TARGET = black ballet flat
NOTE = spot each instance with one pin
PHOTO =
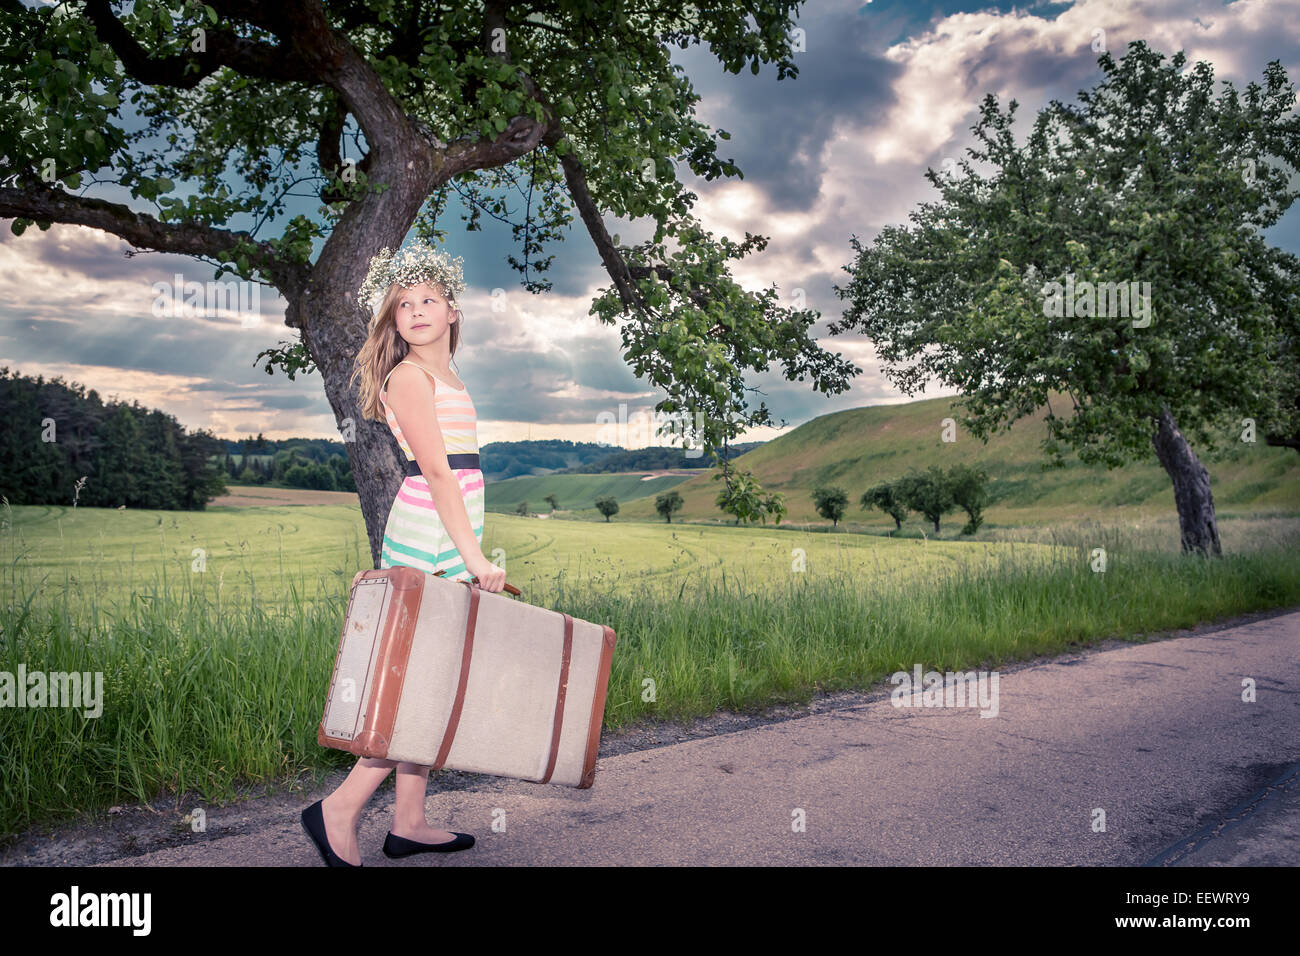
(395, 846)
(313, 824)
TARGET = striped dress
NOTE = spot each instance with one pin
(414, 535)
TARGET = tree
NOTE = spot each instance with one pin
(522, 509)
(969, 493)
(160, 479)
(607, 506)
(202, 480)
(552, 501)
(342, 474)
(1117, 256)
(830, 503)
(309, 474)
(929, 493)
(382, 110)
(885, 497)
(115, 480)
(29, 463)
(743, 497)
(667, 503)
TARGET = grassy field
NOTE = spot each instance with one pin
(214, 679)
(574, 492)
(95, 557)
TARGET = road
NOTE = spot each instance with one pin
(1155, 736)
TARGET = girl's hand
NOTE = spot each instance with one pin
(490, 577)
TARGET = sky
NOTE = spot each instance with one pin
(885, 90)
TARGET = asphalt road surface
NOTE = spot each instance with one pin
(1152, 739)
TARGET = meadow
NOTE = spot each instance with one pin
(215, 663)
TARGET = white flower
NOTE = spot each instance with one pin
(413, 264)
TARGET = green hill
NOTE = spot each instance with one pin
(858, 448)
(574, 492)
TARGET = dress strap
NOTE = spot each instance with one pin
(384, 387)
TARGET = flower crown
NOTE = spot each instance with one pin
(416, 263)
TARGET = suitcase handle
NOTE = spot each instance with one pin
(510, 588)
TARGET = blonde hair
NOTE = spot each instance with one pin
(384, 348)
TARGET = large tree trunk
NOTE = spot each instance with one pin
(1200, 530)
(334, 324)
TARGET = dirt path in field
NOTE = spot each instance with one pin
(251, 496)
(1155, 735)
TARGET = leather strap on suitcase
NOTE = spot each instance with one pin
(467, 655)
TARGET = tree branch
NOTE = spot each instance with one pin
(328, 149)
(43, 203)
(522, 135)
(222, 48)
(1282, 441)
(310, 51)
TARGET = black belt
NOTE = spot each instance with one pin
(457, 461)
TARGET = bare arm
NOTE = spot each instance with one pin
(410, 396)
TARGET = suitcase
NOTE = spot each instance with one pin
(444, 674)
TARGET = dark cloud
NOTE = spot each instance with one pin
(778, 128)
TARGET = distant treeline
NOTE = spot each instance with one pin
(58, 433)
(510, 459)
(656, 458)
(62, 444)
(320, 464)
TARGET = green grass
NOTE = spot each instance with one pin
(96, 558)
(574, 491)
(213, 694)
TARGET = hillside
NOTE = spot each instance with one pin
(574, 492)
(860, 447)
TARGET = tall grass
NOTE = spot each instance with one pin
(206, 701)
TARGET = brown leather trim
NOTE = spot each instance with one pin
(598, 707)
(407, 586)
(465, 656)
(561, 690)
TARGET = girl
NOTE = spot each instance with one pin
(436, 521)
